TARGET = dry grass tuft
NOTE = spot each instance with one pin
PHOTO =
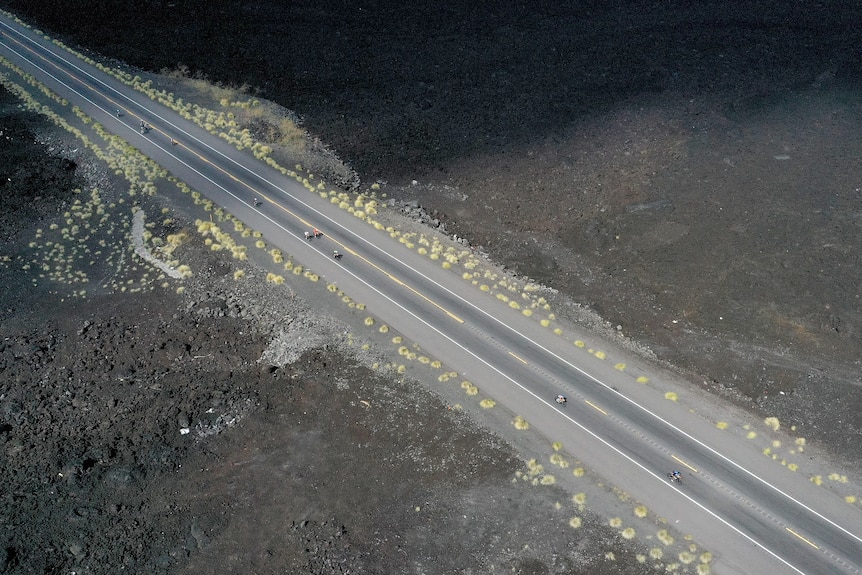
(665, 537)
(772, 423)
(559, 460)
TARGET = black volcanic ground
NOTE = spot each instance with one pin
(690, 170)
(405, 88)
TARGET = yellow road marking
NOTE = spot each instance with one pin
(681, 462)
(801, 537)
(596, 407)
(518, 358)
(246, 185)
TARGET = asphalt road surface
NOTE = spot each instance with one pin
(754, 515)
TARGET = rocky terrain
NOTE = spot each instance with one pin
(688, 171)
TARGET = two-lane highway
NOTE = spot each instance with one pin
(756, 516)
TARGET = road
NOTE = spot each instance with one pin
(756, 516)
